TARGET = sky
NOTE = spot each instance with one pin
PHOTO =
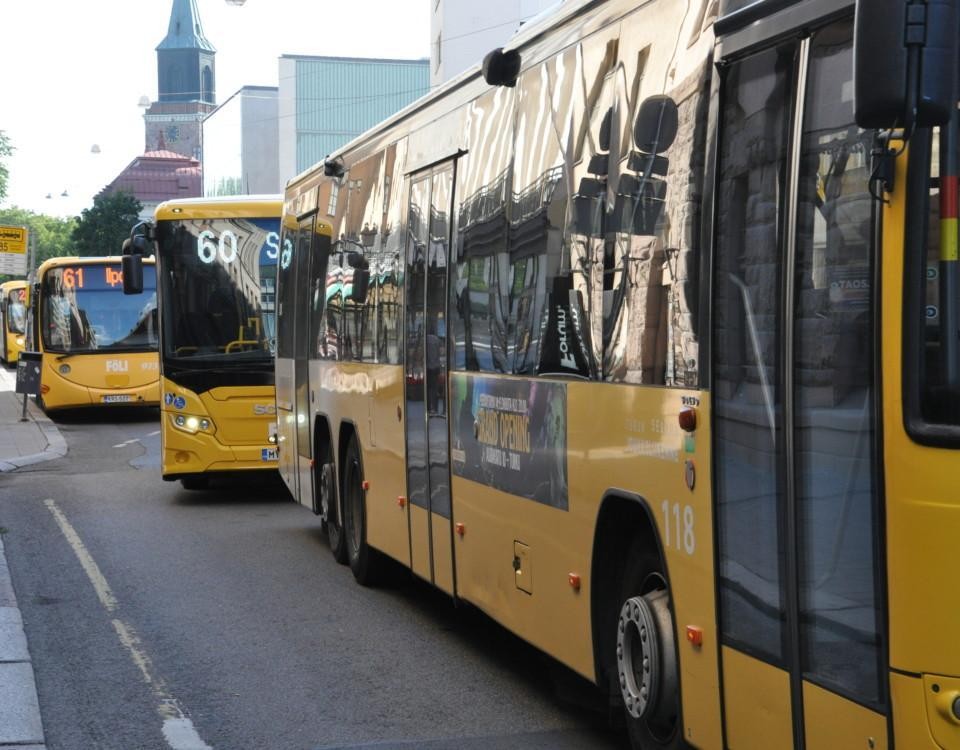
(73, 71)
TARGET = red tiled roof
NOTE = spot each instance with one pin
(159, 176)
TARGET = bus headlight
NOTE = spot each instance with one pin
(20, 340)
(191, 424)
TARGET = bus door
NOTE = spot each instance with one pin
(302, 258)
(796, 439)
(426, 398)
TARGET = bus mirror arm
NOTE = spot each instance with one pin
(882, 163)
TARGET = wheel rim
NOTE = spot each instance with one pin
(326, 492)
(646, 662)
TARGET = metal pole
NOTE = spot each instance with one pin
(31, 262)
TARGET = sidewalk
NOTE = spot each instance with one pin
(21, 444)
(24, 443)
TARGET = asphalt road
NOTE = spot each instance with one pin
(162, 618)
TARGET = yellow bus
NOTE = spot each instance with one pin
(642, 339)
(13, 320)
(217, 260)
(98, 347)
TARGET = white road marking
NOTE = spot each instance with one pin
(125, 443)
(178, 729)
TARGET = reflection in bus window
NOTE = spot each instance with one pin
(16, 311)
(219, 276)
(85, 309)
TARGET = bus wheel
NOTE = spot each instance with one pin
(328, 512)
(646, 662)
(364, 562)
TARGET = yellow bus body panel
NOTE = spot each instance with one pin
(620, 438)
(922, 529)
(910, 730)
(834, 723)
(364, 396)
(116, 379)
(757, 704)
(235, 440)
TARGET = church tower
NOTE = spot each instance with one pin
(186, 83)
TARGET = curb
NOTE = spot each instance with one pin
(56, 445)
(20, 722)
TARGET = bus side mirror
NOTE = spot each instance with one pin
(905, 62)
(501, 68)
(132, 265)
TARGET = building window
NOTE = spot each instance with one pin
(334, 194)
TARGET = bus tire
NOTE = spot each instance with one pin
(328, 512)
(365, 563)
(645, 659)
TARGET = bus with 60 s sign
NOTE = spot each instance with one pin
(217, 260)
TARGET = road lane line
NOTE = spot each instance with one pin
(178, 729)
(89, 565)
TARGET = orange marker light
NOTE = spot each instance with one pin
(365, 485)
(460, 529)
(688, 419)
(695, 635)
(401, 501)
(574, 580)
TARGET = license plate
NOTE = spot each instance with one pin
(117, 398)
(269, 454)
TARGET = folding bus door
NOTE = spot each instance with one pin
(426, 398)
(796, 449)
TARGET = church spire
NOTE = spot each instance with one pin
(185, 31)
(185, 64)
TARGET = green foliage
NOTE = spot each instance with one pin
(102, 229)
(6, 149)
(51, 234)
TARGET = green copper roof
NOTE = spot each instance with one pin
(185, 31)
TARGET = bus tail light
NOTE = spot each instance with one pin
(688, 419)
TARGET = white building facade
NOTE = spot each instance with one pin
(463, 31)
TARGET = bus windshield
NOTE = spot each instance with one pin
(218, 278)
(84, 309)
(16, 311)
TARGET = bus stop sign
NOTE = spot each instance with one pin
(13, 250)
(28, 373)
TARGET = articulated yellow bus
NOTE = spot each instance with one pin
(99, 347)
(642, 339)
(13, 320)
(217, 260)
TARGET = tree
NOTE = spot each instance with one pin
(51, 234)
(6, 149)
(102, 229)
